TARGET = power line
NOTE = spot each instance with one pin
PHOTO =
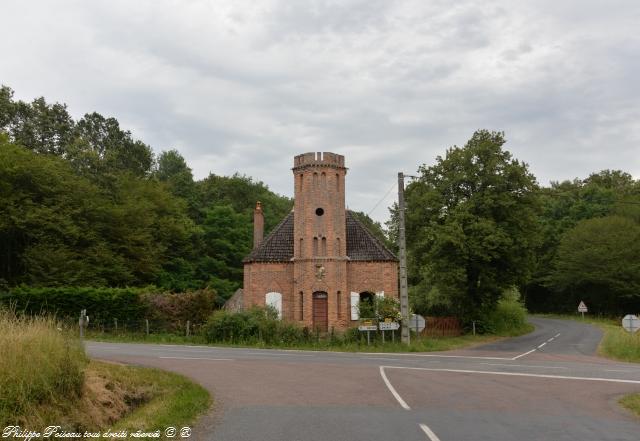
(383, 198)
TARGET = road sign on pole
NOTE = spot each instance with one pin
(417, 323)
(582, 308)
(631, 323)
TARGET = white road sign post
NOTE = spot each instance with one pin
(388, 326)
(368, 326)
(631, 323)
(582, 308)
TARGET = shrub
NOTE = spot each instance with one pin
(170, 311)
(253, 325)
(508, 317)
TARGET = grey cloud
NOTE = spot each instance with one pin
(244, 86)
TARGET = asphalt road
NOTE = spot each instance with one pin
(547, 385)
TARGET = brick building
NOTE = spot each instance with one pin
(320, 261)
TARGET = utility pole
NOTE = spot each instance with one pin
(402, 245)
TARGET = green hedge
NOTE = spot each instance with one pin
(165, 311)
(100, 303)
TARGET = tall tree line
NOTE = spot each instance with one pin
(479, 226)
(83, 203)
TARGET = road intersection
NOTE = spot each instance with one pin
(547, 385)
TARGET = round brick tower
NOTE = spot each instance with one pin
(320, 273)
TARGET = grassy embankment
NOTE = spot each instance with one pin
(46, 379)
(616, 344)
(341, 343)
(420, 344)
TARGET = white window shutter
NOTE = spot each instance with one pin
(274, 299)
(380, 294)
(355, 301)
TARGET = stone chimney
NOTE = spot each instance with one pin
(258, 225)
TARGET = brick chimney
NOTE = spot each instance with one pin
(258, 225)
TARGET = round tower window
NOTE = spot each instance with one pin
(319, 211)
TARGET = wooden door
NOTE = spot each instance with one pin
(320, 311)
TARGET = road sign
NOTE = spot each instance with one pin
(417, 323)
(367, 328)
(631, 323)
(388, 326)
(582, 307)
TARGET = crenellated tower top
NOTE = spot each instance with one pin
(318, 159)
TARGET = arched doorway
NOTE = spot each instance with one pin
(320, 311)
(367, 305)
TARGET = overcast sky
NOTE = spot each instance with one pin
(245, 86)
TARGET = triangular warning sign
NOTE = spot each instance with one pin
(582, 307)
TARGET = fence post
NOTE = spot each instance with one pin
(474, 327)
(146, 322)
(188, 325)
(115, 323)
(83, 313)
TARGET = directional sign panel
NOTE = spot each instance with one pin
(631, 323)
(388, 326)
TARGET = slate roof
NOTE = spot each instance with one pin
(361, 244)
(277, 246)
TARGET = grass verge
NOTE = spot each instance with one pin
(632, 402)
(169, 399)
(46, 380)
(418, 344)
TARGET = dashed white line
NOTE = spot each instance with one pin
(514, 374)
(432, 436)
(393, 391)
(522, 355)
(198, 358)
(535, 349)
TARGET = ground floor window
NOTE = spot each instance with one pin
(274, 299)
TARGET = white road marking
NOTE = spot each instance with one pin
(270, 354)
(533, 350)
(525, 365)
(182, 350)
(393, 391)
(514, 374)
(198, 358)
(387, 358)
(432, 436)
(621, 370)
(522, 355)
(440, 356)
(275, 354)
